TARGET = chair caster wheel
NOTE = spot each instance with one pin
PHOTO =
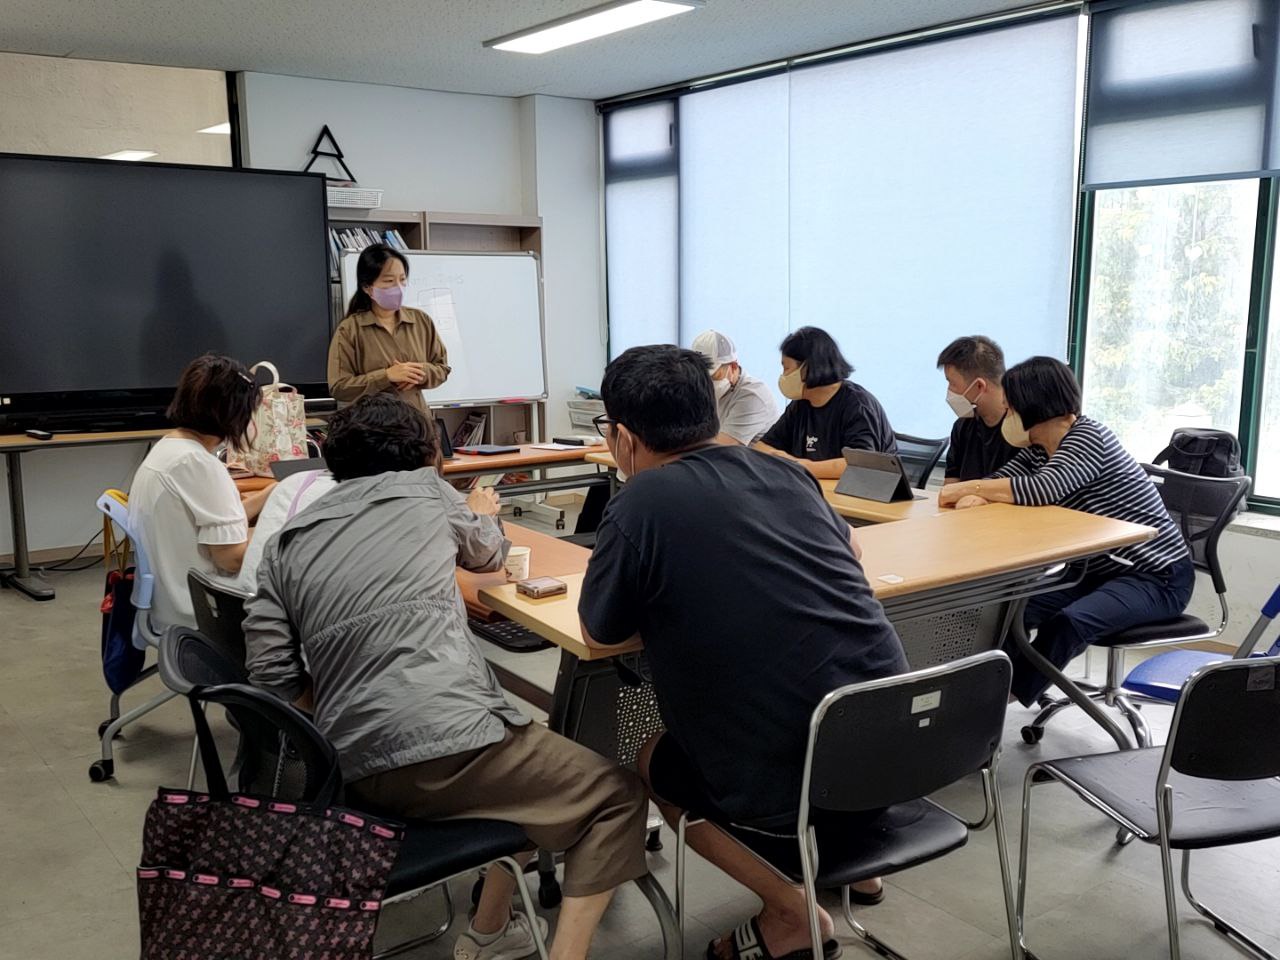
(549, 895)
(1123, 837)
(101, 770)
(1032, 735)
(653, 843)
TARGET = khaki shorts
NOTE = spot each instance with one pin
(566, 797)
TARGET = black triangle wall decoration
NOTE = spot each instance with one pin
(335, 153)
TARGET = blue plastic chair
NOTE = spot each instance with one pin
(1163, 676)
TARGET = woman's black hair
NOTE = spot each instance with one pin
(824, 364)
(1041, 389)
(216, 396)
(368, 269)
(379, 433)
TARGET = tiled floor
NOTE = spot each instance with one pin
(68, 846)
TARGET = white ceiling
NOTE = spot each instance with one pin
(436, 44)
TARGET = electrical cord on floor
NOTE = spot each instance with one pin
(64, 566)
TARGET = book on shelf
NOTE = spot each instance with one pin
(357, 238)
(471, 431)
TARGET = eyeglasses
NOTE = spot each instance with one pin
(602, 421)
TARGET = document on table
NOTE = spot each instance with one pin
(558, 446)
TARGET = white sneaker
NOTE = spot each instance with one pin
(514, 943)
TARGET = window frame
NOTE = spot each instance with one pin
(1257, 320)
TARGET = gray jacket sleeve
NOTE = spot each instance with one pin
(272, 652)
(482, 546)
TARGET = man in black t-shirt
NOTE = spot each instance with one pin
(827, 412)
(974, 368)
(747, 591)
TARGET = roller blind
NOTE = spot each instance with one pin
(1181, 90)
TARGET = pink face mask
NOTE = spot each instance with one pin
(388, 298)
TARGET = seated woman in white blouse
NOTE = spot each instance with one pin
(1069, 460)
(183, 504)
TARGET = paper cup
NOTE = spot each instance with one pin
(517, 563)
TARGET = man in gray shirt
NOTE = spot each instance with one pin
(358, 617)
(746, 405)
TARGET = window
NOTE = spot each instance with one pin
(1266, 477)
(641, 225)
(88, 108)
(898, 199)
(1168, 309)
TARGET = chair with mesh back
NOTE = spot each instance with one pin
(878, 749)
(919, 457)
(282, 755)
(219, 612)
(1202, 507)
(1213, 784)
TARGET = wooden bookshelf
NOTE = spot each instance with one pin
(408, 222)
(482, 232)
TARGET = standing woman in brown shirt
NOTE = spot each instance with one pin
(382, 346)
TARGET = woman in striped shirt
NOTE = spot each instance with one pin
(1069, 460)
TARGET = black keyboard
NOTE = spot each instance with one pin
(509, 635)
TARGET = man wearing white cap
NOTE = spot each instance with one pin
(746, 406)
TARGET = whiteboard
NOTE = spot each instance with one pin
(487, 308)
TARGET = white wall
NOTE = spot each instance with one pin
(88, 108)
(424, 150)
(566, 173)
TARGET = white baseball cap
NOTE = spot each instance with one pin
(716, 347)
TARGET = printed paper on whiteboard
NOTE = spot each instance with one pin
(438, 303)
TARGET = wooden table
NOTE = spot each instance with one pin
(856, 510)
(860, 511)
(13, 446)
(949, 583)
(529, 457)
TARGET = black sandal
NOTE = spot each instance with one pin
(748, 944)
(866, 899)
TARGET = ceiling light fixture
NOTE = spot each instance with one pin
(223, 128)
(589, 24)
(129, 155)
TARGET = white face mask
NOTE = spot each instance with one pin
(721, 387)
(1013, 431)
(792, 384)
(959, 405)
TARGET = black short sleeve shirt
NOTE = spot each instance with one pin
(976, 451)
(740, 580)
(852, 418)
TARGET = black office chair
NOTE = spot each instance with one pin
(219, 612)
(919, 457)
(1213, 784)
(887, 744)
(284, 756)
(1202, 507)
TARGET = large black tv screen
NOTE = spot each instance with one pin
(114, 275)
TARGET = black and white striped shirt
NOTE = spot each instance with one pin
(1092, 472)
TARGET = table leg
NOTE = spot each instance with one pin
(37, 588)
(1064, 683)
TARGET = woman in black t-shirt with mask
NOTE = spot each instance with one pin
(827, 412)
